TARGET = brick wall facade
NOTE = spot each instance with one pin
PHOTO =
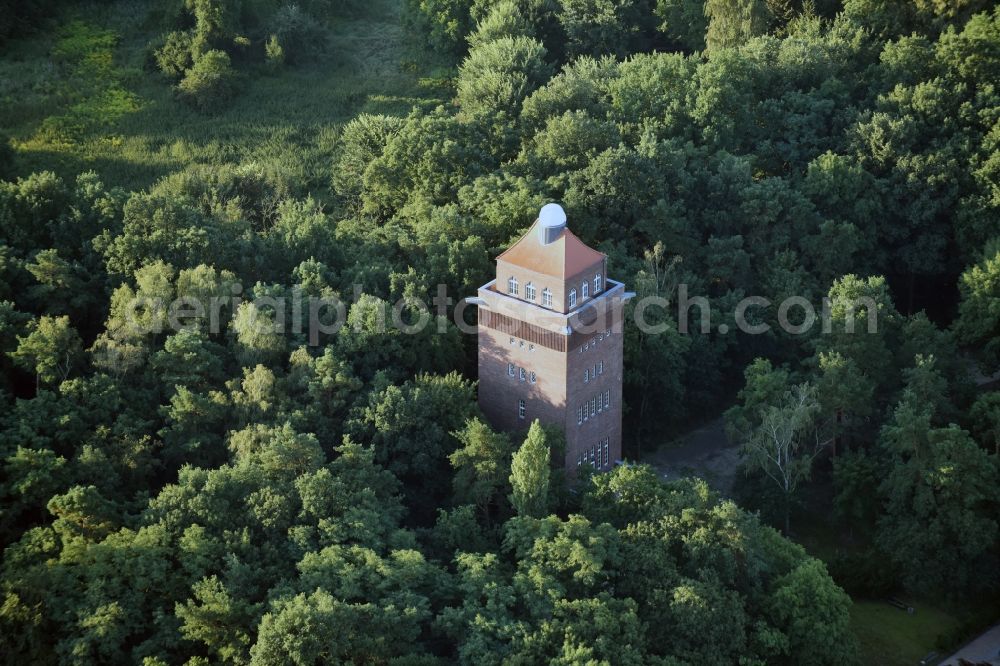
(571, 368)
(560, 288)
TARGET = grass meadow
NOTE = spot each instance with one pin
(79, 96)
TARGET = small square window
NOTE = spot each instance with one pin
(531, 347)
(522, 344)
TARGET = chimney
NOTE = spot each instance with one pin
(551, 222)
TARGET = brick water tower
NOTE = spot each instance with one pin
(550, 342)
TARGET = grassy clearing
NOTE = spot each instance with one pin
(886, 635)
(79, 98)
(889, 636)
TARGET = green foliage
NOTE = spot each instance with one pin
(210, 83)
(503, 20)
(598, 27)
(481, 466)
(50, 349)
(498, 75)
(174, 57)
(296, 35)
(939, 526)
(444, 24)
(734, 22)
(286, 500)
(683, 23)
(530, 472)
(978, 320)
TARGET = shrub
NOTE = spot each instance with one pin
(498, 75)
(504, 20)
(364, 139)
(6, 157)
(444, 24)
(868, 574)
(273, 52)
(210, 82)
(174, 57)
(298, 35)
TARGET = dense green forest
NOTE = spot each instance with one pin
(227, 494)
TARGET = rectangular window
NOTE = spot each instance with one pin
(579, 415)
(510, 369)
(593, 405)
(532, 378)
(597, 284)
(520, 409)
(521, 373)
(607, 398)
(585, 290)
(512, 286)
(591, 456)
(607, 448)
(586, 411)
(529, 291)
(531, 347)
(586, 375)
(572, 298)
(546, 298)
(600, 367)
(512, 340)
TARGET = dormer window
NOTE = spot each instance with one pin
(529, 292)
(572, 298)
(597, 284)
(512, 286)
(546, 298)
(586, 289)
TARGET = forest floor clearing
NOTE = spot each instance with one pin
(126, 123)
(705, 452)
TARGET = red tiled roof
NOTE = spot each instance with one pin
(563, 258)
